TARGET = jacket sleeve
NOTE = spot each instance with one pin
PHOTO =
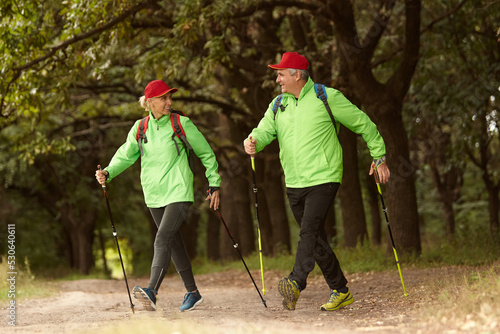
(265, 132)
(357, 121)
(203, 151)
(126, 154)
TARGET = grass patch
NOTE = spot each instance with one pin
(24, 285)
(360, 259)
(468, 299)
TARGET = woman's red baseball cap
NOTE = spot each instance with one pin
(157, 88)
(291, 60)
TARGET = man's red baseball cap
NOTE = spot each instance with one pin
(157, 88)
(291, 60)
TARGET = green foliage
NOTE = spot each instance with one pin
(72, 73)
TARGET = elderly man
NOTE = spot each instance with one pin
(311, 157)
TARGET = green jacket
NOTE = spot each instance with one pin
(165, 177)
(310, 152)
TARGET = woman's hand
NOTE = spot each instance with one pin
(214, 199)
(100, 176)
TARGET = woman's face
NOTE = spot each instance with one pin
(161, 105)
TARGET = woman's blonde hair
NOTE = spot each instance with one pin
(144, 103)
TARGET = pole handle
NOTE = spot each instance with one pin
(252, 156)
(375, 174)
(102, 185)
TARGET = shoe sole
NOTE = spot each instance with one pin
(192, 308)
(344, 303)
(286, 292)
(143, 297)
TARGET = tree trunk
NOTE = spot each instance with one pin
(81, 234)
(189, 231)
(275, 199)
(213, 236)
(236, 213)
(493, 207)
(353, 214)
(400, 193)
(235, 206)
(264, 223)
(383, 103)
(447, 186)
(264, 192)
(102, 247)
(373, 197)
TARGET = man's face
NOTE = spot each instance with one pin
(288, 82)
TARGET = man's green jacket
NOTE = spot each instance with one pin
(165, 177)
(310, 152)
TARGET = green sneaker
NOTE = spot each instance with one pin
(337, 300)
(290, 291)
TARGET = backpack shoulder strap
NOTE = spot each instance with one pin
(141, 133)
(277, 104)
(179, 133)
(321, 94)
(179, 112)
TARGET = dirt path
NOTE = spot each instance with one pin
(232, 305)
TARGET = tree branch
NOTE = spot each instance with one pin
(377, 28)
(400, 81)
(248, 11)
(63, 45)
(424, 30)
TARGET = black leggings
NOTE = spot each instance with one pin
(309, 207)
(169, 245)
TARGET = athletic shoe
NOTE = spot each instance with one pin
(337, 300)
(146, 296)
(191, 300)
(290, 291)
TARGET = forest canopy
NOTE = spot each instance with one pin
(426, 72)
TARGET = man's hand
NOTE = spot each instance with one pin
(382, 173)
(250, 145)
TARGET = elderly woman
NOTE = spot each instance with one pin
(167, 183)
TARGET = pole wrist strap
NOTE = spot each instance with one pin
(378, 162)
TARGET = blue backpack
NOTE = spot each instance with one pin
(320, 94)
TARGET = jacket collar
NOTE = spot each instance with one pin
(308, 86)
(165, 119)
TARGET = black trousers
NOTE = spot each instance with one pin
(310, 206)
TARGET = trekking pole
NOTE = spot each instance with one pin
(116, 241)
(377, 181)
(235, 245)
(252, 157)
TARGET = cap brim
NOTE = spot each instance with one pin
(276, 67)
(173, 90)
